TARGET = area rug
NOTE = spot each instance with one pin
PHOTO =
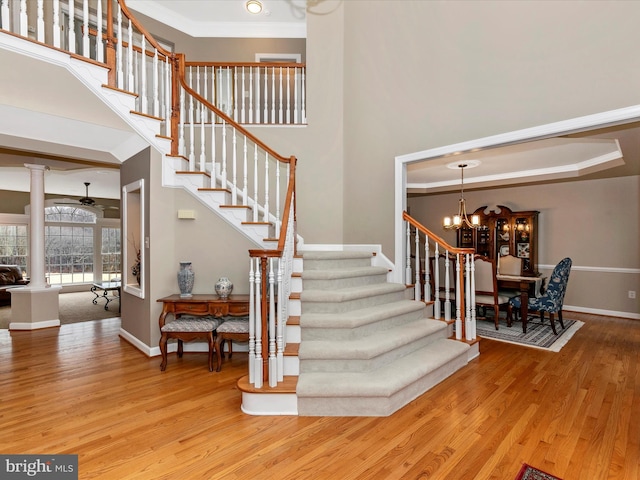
(527, 472)
(73, 308)
(539, 335)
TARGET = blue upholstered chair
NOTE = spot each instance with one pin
(553, 298)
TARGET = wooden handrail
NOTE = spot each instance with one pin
(434, 237)
(224, 116)
(245, 64)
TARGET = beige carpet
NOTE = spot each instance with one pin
(74, 307)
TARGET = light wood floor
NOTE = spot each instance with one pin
(80, 389)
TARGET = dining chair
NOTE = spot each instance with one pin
(552, 299)
(486, 288)
(509, 265)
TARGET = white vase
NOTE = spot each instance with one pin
(224, 287)
(185, 279)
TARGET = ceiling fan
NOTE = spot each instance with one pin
(85, 201)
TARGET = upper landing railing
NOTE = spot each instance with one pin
(199, 107)
(266, 93)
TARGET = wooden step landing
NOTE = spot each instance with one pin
(287, 386)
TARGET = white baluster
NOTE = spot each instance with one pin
(4, 15)
(72, 27)
(288, 117)
(277, 199)
(143, 76)
(282, 293)
(235, 94)
(251, 95)
(273, 95)
(191, 156)
(245, 174)
(273, 363)
(255, 183)
(156, 86)
(470, 320)
(130, 54)
(234, 168)
(40, 22)
(99, 39)
(204, 93)
(85, 27)
(458, 299)
(418, 282)
(280, 99)
(447, 287)
(197, 89)
(258, 323)
(257, 110)
(214, 170)
(303, 87)
(266, 188)
(427, 271)
(407, 261)
(182, 148)
(436, 276)
(252, 323)
(266, 95)
(223, 160)
(203, 151)
(167, 95)
(242, 108)
(24, 19)
(296, 110)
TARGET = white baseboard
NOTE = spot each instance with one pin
(598, 311)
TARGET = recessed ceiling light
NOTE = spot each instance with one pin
(254, 6)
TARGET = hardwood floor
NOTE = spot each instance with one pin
(80, 389)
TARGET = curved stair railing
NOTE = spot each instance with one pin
(204, 140)
(424, 248)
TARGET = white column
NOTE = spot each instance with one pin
(36, 233)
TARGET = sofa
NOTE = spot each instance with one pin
(10, 277)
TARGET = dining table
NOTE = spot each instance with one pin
(528, 286)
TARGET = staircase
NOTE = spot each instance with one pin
(362, 346)
(366, 349)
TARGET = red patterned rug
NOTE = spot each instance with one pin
(527, 472)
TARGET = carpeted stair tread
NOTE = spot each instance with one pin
(372, 345)
(385, 381)
(336, 273)
(352, 293)
(335, 255)
(363, 316)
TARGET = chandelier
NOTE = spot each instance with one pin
(461, 220)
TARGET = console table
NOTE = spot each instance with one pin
(198, 305)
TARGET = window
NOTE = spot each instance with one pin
(110, 254)
(14, 243)
(80, 245)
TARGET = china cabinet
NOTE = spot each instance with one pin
(505, 233)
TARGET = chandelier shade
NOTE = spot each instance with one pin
(461, 219)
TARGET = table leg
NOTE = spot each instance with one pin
(106, 297)
(93, 290)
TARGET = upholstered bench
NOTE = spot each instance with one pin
(187, 328)
(233, 328)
